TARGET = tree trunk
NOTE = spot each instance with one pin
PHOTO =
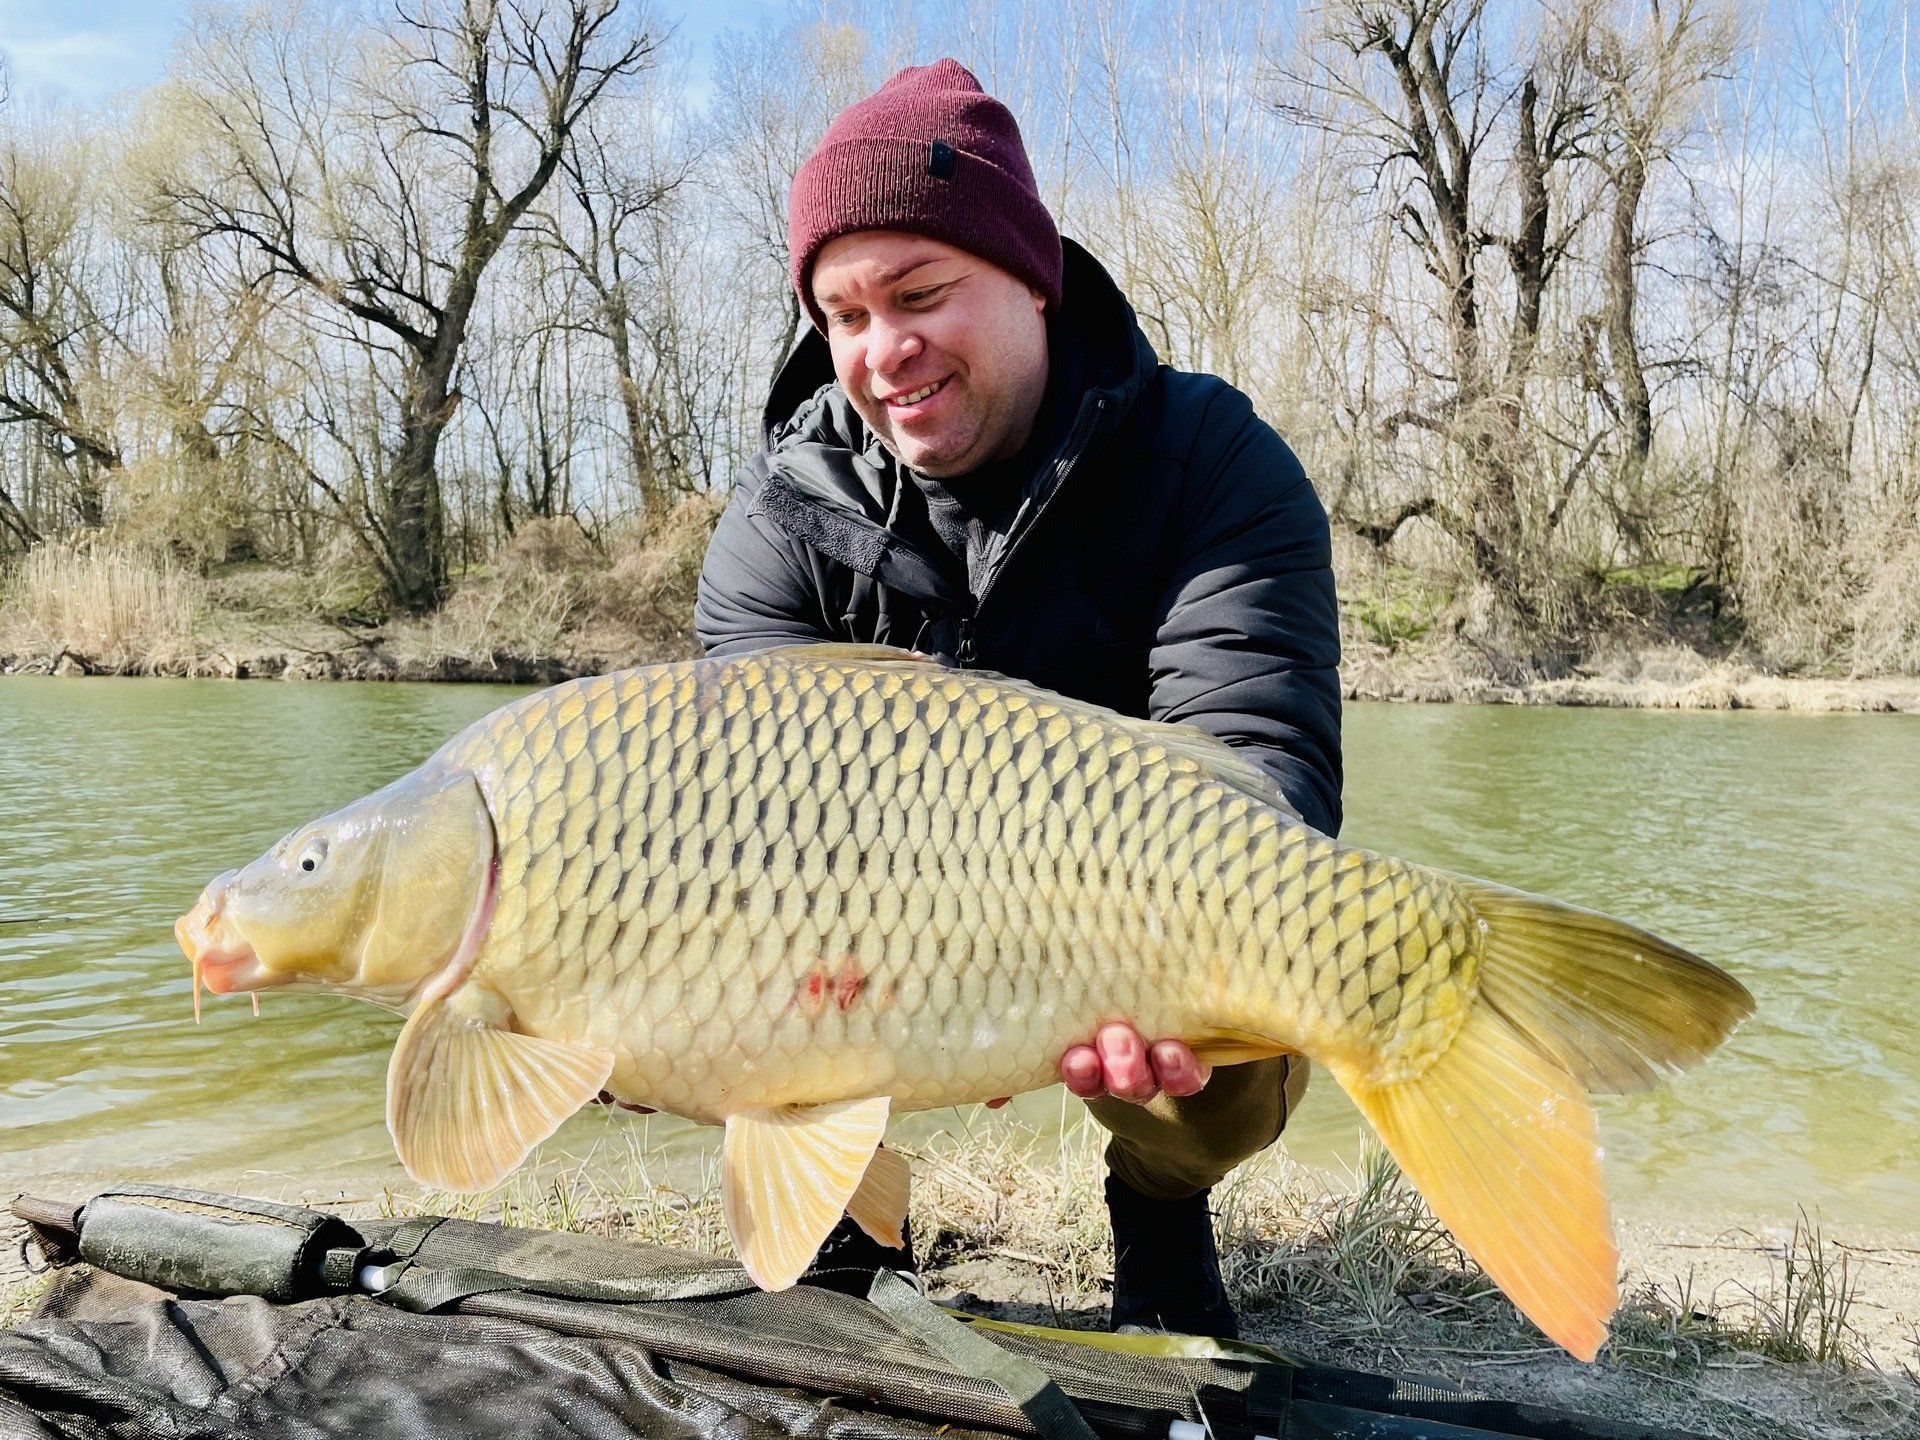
(646, 475)
(16, 522)
(1528, 251)
(1636, 404)
(414, 515)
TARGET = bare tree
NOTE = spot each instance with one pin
(603, 236)
(1431, 129)
(57, 317)
(384, 187)
(1651, 77)
(774, 97)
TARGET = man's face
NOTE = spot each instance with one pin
(943, 354)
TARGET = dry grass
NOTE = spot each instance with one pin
(18, 1299)
(116, 608)
(1351, 1271)
(637, 1195)
(528, 604)
(649, 587)
(551, 592)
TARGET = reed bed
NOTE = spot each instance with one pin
(111, 608)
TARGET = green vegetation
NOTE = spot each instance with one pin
(1395, 608)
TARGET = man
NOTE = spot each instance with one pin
(977, 455)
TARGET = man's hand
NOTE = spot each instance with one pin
(605, 1097)
(1121, 1064)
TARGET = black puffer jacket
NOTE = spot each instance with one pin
(1169, 560)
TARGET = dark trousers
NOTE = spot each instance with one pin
(1171, 1148)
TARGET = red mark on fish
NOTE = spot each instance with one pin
(847, 987)
(819, 984)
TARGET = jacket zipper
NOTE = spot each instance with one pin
(1076, 446)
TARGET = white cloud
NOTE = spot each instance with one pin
(82, 65)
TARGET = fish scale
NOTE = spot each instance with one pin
(897, 842)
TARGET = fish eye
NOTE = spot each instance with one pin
(313, 853)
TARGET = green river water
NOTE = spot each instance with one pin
(1785, 847)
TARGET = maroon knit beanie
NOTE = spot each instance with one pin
(932, 154)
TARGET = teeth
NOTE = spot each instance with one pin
(917, 396)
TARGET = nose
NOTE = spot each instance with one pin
(194, 929)
(891, 343)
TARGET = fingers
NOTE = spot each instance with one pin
(1123, 1060)
(1121, 1064)
(1180, 1073)
(1080, 1072)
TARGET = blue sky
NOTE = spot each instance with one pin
(88, 50)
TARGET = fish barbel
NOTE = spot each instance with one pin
(796, 892)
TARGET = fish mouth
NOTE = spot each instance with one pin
(222, 959)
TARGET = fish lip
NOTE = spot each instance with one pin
(237, 972)
(222, 958)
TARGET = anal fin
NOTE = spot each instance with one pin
(787, 1176)
(1235, 1047)
(468, 1099)
(879, 1206)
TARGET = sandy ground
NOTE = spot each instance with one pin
(1723, 1265)
(1653, 678)
(1726, 1396)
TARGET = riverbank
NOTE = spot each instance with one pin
(1653, 677)
(1725, 1331)
(553, 607)
(1659, 678)
(1665, 677)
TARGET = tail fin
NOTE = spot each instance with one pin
(1497, 1133)
(1615, 1007)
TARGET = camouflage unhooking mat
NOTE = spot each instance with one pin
(201, 1315)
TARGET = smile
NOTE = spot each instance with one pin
(914, 397)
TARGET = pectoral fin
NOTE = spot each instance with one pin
(787, 1175)
(467, 1098)
(879, 1206)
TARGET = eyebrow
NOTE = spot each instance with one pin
(890, 275)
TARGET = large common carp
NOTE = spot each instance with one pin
(796, 892)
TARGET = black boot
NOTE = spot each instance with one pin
(849, 1257)
(1166, 1271)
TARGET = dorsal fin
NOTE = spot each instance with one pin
(850, 650)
